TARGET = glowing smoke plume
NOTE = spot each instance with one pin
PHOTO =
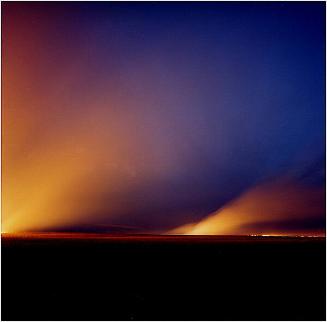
(263, 210)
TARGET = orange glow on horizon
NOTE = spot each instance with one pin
(269, 203)
(66, 155)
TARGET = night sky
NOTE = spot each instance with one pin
(203, 118)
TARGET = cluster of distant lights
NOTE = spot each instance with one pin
(275, 235)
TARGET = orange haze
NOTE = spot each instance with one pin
(260, 209)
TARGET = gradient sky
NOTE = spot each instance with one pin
(153, 116)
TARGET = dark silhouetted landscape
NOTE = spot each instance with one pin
(144, 277)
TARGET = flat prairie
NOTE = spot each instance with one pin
(72, 276)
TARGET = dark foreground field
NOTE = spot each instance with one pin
(56, 277)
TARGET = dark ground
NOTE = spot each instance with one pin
(163, 278)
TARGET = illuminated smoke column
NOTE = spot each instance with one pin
(70, 135)
(154, 116)
(274, 208)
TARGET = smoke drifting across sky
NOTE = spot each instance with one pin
(155, 115)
